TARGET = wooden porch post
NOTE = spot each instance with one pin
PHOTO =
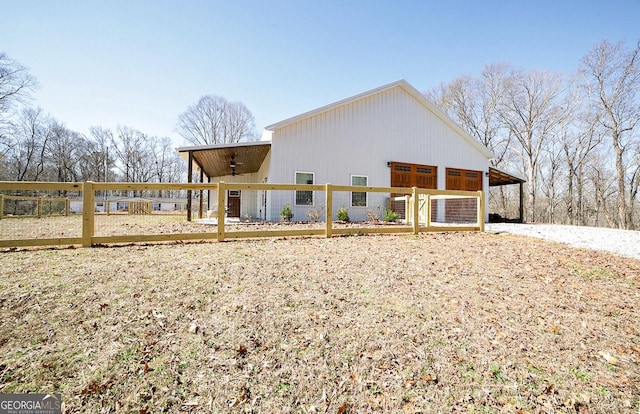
(201, 193)
(208, 195)
(521, 218)
(189, 180)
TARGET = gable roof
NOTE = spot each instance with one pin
(404, 85)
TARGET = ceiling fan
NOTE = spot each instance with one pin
(233, 164)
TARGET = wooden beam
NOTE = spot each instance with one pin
(328, 210)
(521, 218)
(221, 209)
(189, 180)
(201, 193)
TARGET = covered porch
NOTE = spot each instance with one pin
(218, 161)
(499, 178)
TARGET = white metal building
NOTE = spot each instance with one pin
(388, 136)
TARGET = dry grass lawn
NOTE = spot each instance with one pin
(435, 323)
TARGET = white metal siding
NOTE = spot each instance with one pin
(359, 138)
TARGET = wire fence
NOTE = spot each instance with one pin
(33, 214)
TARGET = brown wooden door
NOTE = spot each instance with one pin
(464, 180)
(462, 210)
(233, 203)
(411, 175)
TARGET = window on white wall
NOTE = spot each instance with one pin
(304, 198)
(359, 199)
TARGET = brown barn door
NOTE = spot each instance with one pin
(233, 203)
(462, 210)
(411, 175)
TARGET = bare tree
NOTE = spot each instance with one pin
(64, 152)
(26, 152)
(475, 104)
(579, 138)
(133, 155)
(16, 84)
(214, 120)
(167, 164)
(612, 81)
(532, 111)
(97, 161)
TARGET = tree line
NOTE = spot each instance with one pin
(34, 146)
(574, 137)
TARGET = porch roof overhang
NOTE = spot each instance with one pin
(498, 177)
(215, 160)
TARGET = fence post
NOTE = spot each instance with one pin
(39, 213)
(328, 211)
(88, 207)
(67, 206)
(1, 206)
(221, 209)
(428, 210)
(481, 210)
(416, 211)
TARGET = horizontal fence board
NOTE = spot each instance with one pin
(275, 187)
(155, 186)
(152, 238)
(39, 185)
(62, 241)
(446, 229)
(373, 230)
(273, 233)
(354, 188)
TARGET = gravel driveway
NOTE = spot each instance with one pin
(622, 242)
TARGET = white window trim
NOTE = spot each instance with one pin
(295, 196)
(366, 194)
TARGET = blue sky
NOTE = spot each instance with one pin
(142, 63)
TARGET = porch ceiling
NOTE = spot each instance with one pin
(498, 177)
(215, 159)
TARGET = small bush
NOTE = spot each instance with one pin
(286, 214)
(342, 214)
(390, 216)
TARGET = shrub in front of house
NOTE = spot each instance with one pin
(286, 214)
(342, 214)
(390, 216)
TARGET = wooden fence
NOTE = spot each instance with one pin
(419, 207)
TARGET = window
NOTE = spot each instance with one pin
(359, 199)
(304, 198)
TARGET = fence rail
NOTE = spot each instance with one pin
(421, 208)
